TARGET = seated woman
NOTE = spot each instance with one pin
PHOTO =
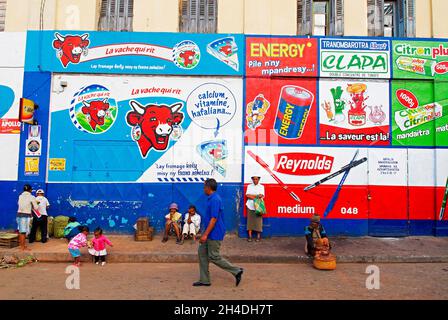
(72, 229)
(315, 236)
(172, 224)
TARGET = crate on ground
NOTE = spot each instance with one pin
(9, 240)
(143, 231)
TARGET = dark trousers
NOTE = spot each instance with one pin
(100, 258)
(42, 223)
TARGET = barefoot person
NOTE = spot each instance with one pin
(212, 237)
(27, 202)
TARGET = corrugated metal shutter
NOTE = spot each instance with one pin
(2, 14)
(375, 18)
(116, 15)
(198, 16)
(304, 16)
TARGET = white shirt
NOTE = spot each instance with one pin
(196, 219)
(43, 204)
(253, 190)
(26, 202)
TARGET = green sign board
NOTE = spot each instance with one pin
(420, 59)
(419, 111)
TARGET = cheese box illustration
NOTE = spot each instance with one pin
(215, 154)
(225, 50)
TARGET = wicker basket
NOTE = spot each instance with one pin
(327, 262)
(9, 240)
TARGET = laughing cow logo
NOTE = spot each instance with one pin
(93, 109)
(70, 47)
(95, 112)
(153, 124)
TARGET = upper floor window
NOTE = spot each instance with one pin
(320, 17)
(391, 18)
(2, 14)
(198, 16)
(116, 15)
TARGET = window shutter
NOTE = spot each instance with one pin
(375, 17)
(410, 18)
(211, 16)
(198, 16)
(116, 15)
(339, 18)
(401, 18)
(307, 13)
(2, 14)
(299, 16)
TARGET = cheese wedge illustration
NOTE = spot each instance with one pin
(215, 154)
(225, 50)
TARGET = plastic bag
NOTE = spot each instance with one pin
(260, 208)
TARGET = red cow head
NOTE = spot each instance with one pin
(156, 123)
(188, 57)
(70, 47)
(95, 112)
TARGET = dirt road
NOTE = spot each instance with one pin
(260, 281)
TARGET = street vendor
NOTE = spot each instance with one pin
(315, 233)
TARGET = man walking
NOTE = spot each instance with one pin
(212, 237)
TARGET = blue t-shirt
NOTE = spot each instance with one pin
(214, 210)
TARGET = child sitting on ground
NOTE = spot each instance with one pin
(192, 223)
(79, 241)
(172, 223)
(99, 243)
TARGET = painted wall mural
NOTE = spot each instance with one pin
(146, 129)
(333, 126)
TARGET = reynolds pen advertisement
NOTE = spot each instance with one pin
(420, 59)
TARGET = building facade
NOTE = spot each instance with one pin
(339, 105)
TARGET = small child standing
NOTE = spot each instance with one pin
(99, 243)
(79, 241)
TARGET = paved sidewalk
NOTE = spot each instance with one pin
(273, 250)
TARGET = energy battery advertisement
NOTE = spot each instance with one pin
(280, 111)
(420, 59)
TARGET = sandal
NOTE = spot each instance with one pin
(249, 239)
(258, 240)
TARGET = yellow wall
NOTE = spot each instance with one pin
(156, 15)
(270, 17)
(58, 14)
(423, 14)
(230, 16)
(356, 22)
(234, 16)
(440, 19)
